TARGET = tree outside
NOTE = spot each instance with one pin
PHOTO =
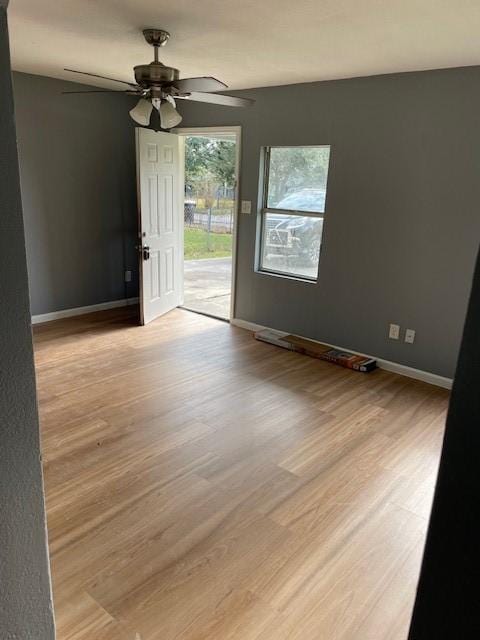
(210, 172)
(295, 168)
(209, 197)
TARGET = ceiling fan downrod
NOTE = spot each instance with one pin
(157, 38)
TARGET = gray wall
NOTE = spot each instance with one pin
(25, 599)
(77, 169)
(402, 224)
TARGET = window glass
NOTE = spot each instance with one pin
(293, 208)
(291, 244)
(297, 178)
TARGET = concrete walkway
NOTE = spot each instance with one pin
(207, 286)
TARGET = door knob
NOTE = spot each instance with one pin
(146, 252)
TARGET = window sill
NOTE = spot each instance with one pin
(286, 276)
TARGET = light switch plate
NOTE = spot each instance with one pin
(394, 332)
(246, 206)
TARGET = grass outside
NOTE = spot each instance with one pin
(198, 246)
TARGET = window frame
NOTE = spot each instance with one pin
(265, 209)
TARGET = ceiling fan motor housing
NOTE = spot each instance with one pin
(155, 74)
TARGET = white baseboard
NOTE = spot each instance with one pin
(79, 311)
(394, 367)
(417, 374)
(244, 324)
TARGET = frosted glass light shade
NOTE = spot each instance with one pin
(141, 112)
(169, 116)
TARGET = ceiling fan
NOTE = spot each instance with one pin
(159, 86)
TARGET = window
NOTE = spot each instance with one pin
(295, 190)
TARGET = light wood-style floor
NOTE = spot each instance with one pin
(204, 486)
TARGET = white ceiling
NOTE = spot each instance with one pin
(245, 43)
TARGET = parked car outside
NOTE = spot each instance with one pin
(292, 235)
(312, 200)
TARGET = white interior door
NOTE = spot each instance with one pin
(159, 177)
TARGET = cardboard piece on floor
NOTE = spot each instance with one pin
(317, 350)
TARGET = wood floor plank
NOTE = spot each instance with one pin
(201, 485)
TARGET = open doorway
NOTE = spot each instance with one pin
(210, 207)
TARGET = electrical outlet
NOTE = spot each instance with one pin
(246, 206)
(394, 333)
(410, 336)
(128, 276)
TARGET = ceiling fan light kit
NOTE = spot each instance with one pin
(158, 86)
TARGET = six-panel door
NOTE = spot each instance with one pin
(159, 171)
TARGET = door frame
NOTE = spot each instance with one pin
(204, 132)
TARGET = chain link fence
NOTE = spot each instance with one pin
(212, 219)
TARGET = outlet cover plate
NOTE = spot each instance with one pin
(410, 336)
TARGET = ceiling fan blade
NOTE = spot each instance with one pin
(95, 75)
(218, 98)
(198, 84)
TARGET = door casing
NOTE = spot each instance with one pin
(210, 132)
